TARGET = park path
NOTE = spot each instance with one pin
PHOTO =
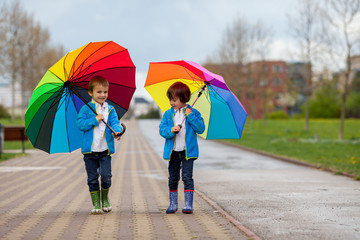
(46, 197)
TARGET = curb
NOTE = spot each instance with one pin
(230, 218)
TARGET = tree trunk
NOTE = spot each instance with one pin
(306, 128)
(342, 116)
(13, 96)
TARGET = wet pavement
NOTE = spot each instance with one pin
(273, 199)
(46, 197)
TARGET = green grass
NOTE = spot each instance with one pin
(9, 145)
(319, 146)
(6, 156)
(8, 122)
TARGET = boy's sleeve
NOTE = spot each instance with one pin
(86, 120)
(114, 121)
(196, 121)
(164, 128)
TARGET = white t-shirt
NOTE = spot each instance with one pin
(99, 143)
(180, 136)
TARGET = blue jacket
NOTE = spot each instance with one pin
(86, 121)
(194, 124)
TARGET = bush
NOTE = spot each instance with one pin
(353, 105)
(3, 112)
(326, 102)
(277, 115)
(153, 113)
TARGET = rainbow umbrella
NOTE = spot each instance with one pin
(223, 113)
(50, 119)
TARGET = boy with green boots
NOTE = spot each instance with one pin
(98, 142)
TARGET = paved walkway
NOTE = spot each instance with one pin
(46, 197)
(274, 199)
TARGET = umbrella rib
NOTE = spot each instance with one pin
(94, 53)
(60, 80)
(83, 72)
(80, 67)
(51, 91)
(217, 96)
(190, 75)
(51, 106)
(59, 103)
(88, 75)
(65, 72)
(72, 70)
(50, 98)
(66, 123)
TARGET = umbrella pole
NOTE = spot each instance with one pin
(202, 89)
(82, 99)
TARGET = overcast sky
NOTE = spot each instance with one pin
(158, 30)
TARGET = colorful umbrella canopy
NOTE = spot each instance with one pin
(50, 120)
(223, 113)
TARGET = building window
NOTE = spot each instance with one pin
(263, 82)
(250, 95)
(277, 68)
(264, 68)
(277, 82)
(249, 81)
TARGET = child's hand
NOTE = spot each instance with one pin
(116, 135)
(175, 129)
(188, 111)
(99, 117)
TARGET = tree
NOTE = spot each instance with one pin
(241, 43)
(10, 28)
(304, 26)
(25, 51)
(236, 42)
(262, 41)
(343, 35)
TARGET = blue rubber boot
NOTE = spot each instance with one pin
(189, 197)
(173, 195)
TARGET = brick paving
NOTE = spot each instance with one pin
(46, 197)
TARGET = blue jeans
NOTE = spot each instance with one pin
(98, 164)
(178, 162)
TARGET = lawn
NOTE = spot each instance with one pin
(319, 146)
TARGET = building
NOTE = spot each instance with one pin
(140, 106)
(354, 78)
(265, 86)
(297, 73)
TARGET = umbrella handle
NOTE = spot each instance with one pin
(180, 128)
(119, 134)
(82, 99)
(123, 130)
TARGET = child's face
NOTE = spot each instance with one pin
(99, 93)
(176, 103)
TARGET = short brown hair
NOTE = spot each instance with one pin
(179, 90)
(97, 80)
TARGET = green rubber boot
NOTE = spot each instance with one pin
(95, 197)
(106, 206)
